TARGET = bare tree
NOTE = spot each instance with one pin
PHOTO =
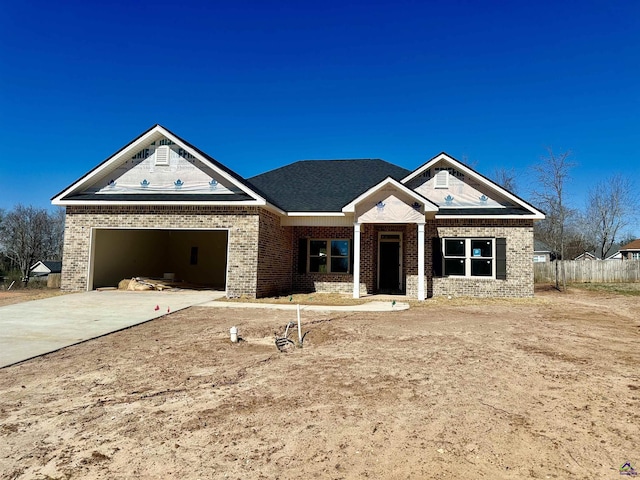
(56, 240)
(29, 234)
(551, 174)
(506, 178)
(612, 204)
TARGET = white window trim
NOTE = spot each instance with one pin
(468, 257)
(329, 240)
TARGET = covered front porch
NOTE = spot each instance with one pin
(393, 218)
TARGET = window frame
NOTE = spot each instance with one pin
(468, 257)
(329, 255)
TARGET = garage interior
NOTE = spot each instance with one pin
(195, 258)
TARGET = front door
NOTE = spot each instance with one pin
(389, 262)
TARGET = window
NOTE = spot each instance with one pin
(329, 256)
(635, 255)
(539, 258)
(469, 257)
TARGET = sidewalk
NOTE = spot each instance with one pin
(373, 306)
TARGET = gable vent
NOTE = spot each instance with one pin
(162, 155)
(442, 179)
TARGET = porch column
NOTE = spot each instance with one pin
(421, 261)
(356, 260)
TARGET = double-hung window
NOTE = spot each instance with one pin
(329, 256)
(469, 257)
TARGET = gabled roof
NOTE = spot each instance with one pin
(634, 245)
(593, 256)
(519, 208)
(428, 205)
(80, 193)
(323, 185)
(540, 246)
(52, 266)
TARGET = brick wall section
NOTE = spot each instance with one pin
(322, 282)
(271, 267)
(275, 256)
(242, 224)
(519, 235)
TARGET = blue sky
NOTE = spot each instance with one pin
(258, 85)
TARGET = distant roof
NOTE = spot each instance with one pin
(635, 245)
(54, 266)
(540, 246)
(587, 254)
(323, 185)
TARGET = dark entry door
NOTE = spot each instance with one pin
(389, 267)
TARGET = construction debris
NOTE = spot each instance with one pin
(140, 284)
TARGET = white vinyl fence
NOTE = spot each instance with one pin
(587, 271)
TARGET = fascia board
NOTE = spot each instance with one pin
(419, 170)
(428, 204)
(490, 217)
(204, 160)
(69, 203)
(315, 214)
(98, 170)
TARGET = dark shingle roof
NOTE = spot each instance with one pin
(54, 266)
(323, 185)
(540, 246)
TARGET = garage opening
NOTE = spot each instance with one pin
(197, 258)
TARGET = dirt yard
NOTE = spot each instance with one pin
(542, 388)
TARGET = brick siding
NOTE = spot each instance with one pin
(242, 223)
(275, 256)
(519, 281)
(263, 255)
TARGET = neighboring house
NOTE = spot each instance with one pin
(616, 255)
(612, 254)
(44, 268)
(160, 205)
(586, 256)
(542, 252)
(631, 251)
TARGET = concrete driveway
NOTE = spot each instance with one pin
(33, 328)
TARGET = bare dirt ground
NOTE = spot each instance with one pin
(542, 388)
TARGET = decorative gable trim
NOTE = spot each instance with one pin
(533, 213)
(156, 133)
(428, 205)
